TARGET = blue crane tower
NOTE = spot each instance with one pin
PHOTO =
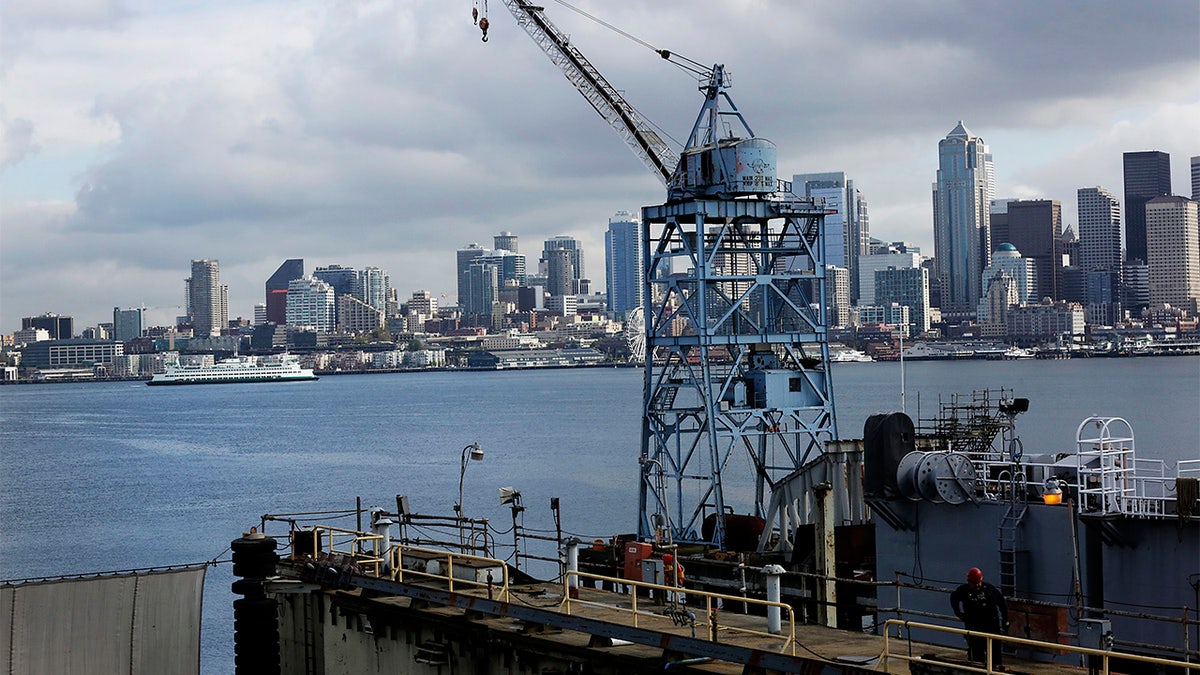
(737, 396)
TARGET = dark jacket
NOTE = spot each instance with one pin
(981, 609)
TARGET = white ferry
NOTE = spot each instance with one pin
(849, 356)
(274, 368)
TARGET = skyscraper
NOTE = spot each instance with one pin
(127, 323)
(571, 244)
(1099, 229)
(848, 231)
(1196, 178)
(961, 219)
(372, 286)
(465, 256)
(277, 288)
(1010, 277)
(1173, 247)
(560, 272)
(1035, 228)
(1100, 257)
(505, 241)
(623, 263)
(59, 327)
(208, 300)
(908, 287)
(310, 304)
(1147, 175)
(483, 287)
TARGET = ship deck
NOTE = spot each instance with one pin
(604, 625)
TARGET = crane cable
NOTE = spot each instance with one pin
(684, 63)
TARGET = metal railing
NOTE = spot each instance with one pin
(349, 543)
(397, 557)
(710, 619)
(992, 643)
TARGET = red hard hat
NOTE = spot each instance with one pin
(667, 558)
(974, 575)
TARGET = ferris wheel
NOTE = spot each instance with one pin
(635, 335)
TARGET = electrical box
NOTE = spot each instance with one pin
(1095, 633)
(635, 552)
(652, 571)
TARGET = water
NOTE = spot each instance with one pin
(107, 476)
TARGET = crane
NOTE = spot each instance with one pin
(733, 317)
(713, 163)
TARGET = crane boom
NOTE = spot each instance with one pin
(637, 131)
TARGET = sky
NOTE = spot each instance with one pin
(138, 135)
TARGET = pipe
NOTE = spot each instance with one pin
(774, 575)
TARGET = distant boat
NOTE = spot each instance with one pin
(849, 356)
(274, 368)
(934, 351)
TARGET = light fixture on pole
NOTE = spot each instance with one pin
(471, 452)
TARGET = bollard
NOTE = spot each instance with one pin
(774, 594)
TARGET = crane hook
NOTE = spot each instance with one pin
(475, 15)
(483, 25)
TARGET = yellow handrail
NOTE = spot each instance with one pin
(1038, 644)
(396, 557)
(710, 610)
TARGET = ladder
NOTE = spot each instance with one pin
(1009, 536)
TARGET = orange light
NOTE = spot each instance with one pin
(1052, 499)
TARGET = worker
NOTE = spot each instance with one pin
(672, 576)
(981, 607)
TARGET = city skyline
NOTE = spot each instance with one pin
(193, 132)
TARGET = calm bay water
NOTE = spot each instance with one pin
(107, 476)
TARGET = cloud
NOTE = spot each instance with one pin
(385, 133)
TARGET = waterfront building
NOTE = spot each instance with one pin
(847, 229)
(27, 335)
(1173, 250)
(356, 316)
(311, 304)
(1035, 229)
(961, 220)
(1147, 175)
(560, 272)
(1100, 254)
(572, 245)
(373, 286)
(868, 265)
(74, 352)
(906, 286)
(891, 314)
(423, 304)
(127, 323)
(505, 241)
(58, 327)
(277, 288)
(623, 263)
(483, 288)
(208, 299)
(464, 257)
(562, 305)
(837, 300)
(1048, 320)
(343, 280)
(1136, 288)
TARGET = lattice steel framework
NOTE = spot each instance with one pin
(737, 391)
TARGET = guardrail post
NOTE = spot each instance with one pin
(573, 566)
(774, 586)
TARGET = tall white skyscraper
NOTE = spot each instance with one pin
(623, 263)
(847, 231)
(1173, 249)
(1099, 229)
(310, 304)
(208, 300)
(962, 194)
(1015, 272)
